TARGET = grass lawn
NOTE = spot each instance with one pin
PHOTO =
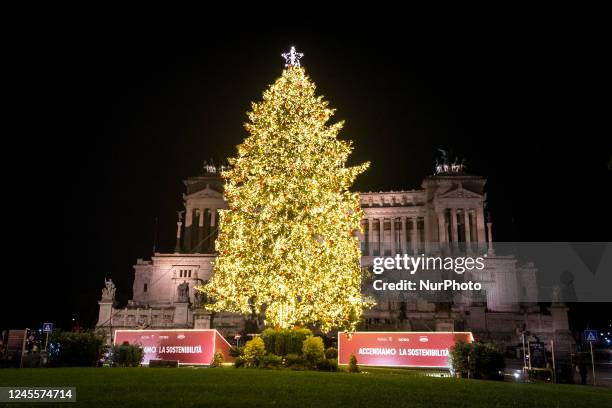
(246, 388)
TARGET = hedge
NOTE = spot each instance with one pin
(481, 360)
(127, 355)
(75, 349)
(284, 341)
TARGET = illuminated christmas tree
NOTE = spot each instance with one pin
(287, 244)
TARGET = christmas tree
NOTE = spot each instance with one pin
(287, 244)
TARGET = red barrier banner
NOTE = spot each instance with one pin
(399, 349)
(185, 346)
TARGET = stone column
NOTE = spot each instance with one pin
(491, 250)
(207, 236)
(200, 240)
(427, 232)
(468, 226)
(213, 229)
(179, 223)
(381, 236)
(188, 229)
(370, 236)
(454, 227)
(415, 235)
(442, 228)
(480, 227)
(377, 236)
(393, 237)
(404, 249)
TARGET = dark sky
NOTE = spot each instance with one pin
(138, 109)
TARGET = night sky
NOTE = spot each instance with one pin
(138, 109)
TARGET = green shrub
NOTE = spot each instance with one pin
(493, 364)
(331, 352)
(458, 358)
(480, 360)
(137, 355)
(327, 364)
(313, 350)
(271, 361)
(477, 360)
(217, 360)
(300, 367)
(254, 352)
(269, 336)
(353, 367)
(294, 359)
(75, 349)
(333, 364)
(236, 351)
(284, 341)
(127, 355)
(239, 362)
(296, 339)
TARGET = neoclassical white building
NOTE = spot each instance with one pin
(445, 216)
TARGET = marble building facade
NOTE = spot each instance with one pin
(445, 216)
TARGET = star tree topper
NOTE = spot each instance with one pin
(292, 58)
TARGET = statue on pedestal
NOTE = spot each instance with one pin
(108, 292)
(556, 295)
(183, 292)
(199, 298)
